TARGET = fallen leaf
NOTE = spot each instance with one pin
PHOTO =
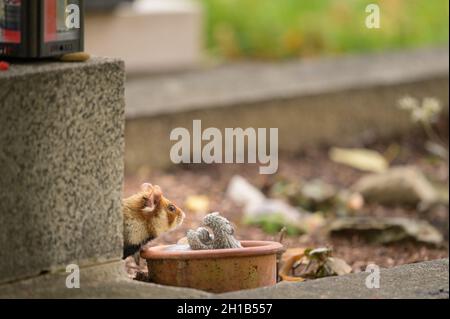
(320, 254)
(287, 268)
(75, 57)
(292, 252)
(314, 263)
(197, 204)
(334, 267)
(362, 159)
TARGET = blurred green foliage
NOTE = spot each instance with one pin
(274, 29)
(272, 224)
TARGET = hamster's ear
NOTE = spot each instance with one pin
(154, 198)
(146, 187)
(157, 194)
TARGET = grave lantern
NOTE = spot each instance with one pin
(41, 28)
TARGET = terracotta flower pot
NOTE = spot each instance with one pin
(218, 270)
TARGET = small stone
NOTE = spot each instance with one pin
(197, 204)
(404, 185)
(75, 57)
(384, 230)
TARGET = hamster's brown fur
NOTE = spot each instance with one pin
(147, 215)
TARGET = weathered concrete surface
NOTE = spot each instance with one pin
(248, 83)
(61, 165)
(100, 281)
(339, 100)
(421, 280)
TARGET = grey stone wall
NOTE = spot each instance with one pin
(325, 101)
(61, 165)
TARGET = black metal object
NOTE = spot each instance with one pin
(41, 28)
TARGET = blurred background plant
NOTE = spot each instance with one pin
(269, 29)
(426, 113)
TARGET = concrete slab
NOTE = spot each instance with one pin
(61, 165)
(429, 280)
(252, 82)
(98, 281)
(425, 280)
(331, 101)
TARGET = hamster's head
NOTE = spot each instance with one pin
(162, 213)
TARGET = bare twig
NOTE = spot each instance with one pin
(281, 235)
(433, 135)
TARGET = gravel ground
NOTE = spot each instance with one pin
(312, 163)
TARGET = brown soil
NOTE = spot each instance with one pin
(312, 163)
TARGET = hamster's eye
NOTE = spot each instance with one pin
(172, 208)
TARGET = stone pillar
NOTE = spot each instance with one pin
(61, 165)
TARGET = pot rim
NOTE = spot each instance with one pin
(250, 248)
